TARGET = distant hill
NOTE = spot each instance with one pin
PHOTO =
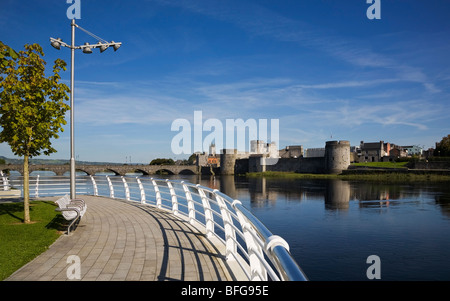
(54, 161)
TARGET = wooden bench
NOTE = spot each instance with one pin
(72, 210)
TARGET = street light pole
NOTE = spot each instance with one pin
(72, 145)
(57, 43)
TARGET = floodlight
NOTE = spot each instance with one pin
(116, 45)
(86, 48)
(56, 43)
(102, 47)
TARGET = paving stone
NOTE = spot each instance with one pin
(122, 240)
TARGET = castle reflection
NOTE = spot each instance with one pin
(336, 194)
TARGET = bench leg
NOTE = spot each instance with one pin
(72, 223)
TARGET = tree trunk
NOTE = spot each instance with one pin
(26, 191)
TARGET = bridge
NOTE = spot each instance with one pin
(120, 170)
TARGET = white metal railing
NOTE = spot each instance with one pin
(247, 243)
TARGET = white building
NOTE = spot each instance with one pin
(413, 150)
(261, 148)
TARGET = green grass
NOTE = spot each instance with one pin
(291, 175)
(382, 164)
(19, 242)
(378, 177)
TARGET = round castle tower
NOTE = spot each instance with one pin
(337, 156)
(228, 161)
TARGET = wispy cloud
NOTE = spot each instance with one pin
(259, 21)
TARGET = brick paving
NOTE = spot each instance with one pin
(125, 241)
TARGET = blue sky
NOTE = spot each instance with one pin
(320, 67)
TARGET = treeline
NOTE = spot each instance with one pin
(162, 161)
(165, 161)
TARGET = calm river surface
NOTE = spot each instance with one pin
(332, 226)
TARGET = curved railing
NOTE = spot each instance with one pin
(249, 247)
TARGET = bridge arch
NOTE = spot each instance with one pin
(139, 170)
(13, 169)
(82, 170)
(187, 172)
(118, 170)
(164, 171)
(113, 171)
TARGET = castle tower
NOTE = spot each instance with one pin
(337, 156)
(228, 161)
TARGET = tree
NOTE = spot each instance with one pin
(162, 161)
(32, 107)
(443, 147)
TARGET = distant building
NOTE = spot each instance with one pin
(413, 150)
(373, 151)
(259, 147)
(292, 151)
(214, 161)
(397, 152)
(212, 149)
(201, 159)
(315, 152)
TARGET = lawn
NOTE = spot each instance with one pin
(382, 164)
(19, 242)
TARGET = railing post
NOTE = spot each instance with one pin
(127, 190)
(141, 189)
(5, 181)
(36, 189)
(111, 187)
(190, 201)
(158, 194)
(209, 221)
(257, 270)
(94, 185)
(173, 197)
(230, 234)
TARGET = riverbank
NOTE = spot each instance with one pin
(382, 175)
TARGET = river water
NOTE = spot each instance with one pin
(333, 226)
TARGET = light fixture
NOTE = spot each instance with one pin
(87, 48)
(102, 47)
(56, 43)
(116, 45)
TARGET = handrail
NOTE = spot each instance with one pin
(246, 240)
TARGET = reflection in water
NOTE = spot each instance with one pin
(336, 194)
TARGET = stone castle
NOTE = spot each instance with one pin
(335, 159)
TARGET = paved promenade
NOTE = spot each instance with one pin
(119, 240)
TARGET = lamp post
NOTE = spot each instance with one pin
(86, 48)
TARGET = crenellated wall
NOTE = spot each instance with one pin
(336, 159)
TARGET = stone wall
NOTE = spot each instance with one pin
(430, 165)
(336, 159)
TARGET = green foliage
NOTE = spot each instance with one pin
(162, 161)
(192, 159)
(32, 106)
(443, 147)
